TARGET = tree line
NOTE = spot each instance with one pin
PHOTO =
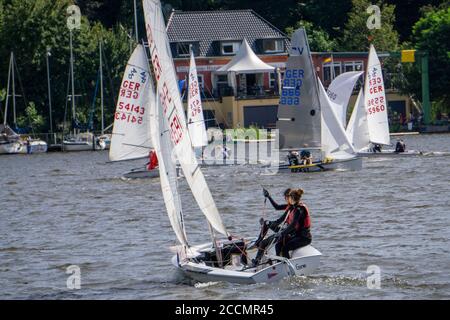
(33, 29)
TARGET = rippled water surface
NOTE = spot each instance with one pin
(62, 209)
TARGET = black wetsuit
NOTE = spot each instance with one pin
(400, 147)
(293, 160)
(291, 238)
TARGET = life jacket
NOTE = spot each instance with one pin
(307, 221)
(153, 161)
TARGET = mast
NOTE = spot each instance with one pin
(13, 90)
(49, 90)
(72, 79)
(7, 89)
(101, 85)
(135, 22)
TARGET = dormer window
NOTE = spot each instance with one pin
(183, 49)
(229, 47)
(273, 45)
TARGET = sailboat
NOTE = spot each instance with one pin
(10, 141)
(306, 118)
(215, 260)
(368, 124)
(340, 91)
(207, 155)
(104, 140)
(78, 141)
(196, 121)
(131, 138)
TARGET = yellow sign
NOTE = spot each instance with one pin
(408, 56)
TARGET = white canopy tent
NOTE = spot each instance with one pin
(244, 62)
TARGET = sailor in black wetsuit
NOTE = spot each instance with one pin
(400, 146)
(293, 158)
(292, 228)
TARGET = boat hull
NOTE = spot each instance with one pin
(390, 153)
(77, 146)
(350, 164)
(303, 262)
(36, 146)
(10, 147)
(141, 174)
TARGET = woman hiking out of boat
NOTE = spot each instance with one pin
(292, 228)
(276, 206)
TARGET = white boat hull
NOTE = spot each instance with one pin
(77, 146)
(10, 147)
(390, 153)
(303, 262)
(36, 146)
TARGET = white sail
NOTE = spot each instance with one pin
(375, 101)
(167, 170)
(196, 122)
(173, 112)
(357, 129)
(339, 93)
(130, 136)
(299, 108)
(333, 135)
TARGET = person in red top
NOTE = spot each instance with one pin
(153, 160)
(292, 228)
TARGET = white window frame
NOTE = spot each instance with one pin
(183, 54)
(337, 64)
(279, 45)
(235, 47)
(221, 82)
(353, 65)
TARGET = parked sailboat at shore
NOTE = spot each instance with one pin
(210, 261)
(11, 142)
(78, 141)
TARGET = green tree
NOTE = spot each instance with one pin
(408, 12)
(319, 12)
(318, 39)
(357, 36)
(31, 27)
(430, 34)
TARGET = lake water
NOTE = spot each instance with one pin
(63, 209)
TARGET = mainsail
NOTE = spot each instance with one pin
(130, 136)
(357, 129)
(167, 170)
(196, 122)
(339, 93)
(299, 117)
(173, 112)
(375, 101)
